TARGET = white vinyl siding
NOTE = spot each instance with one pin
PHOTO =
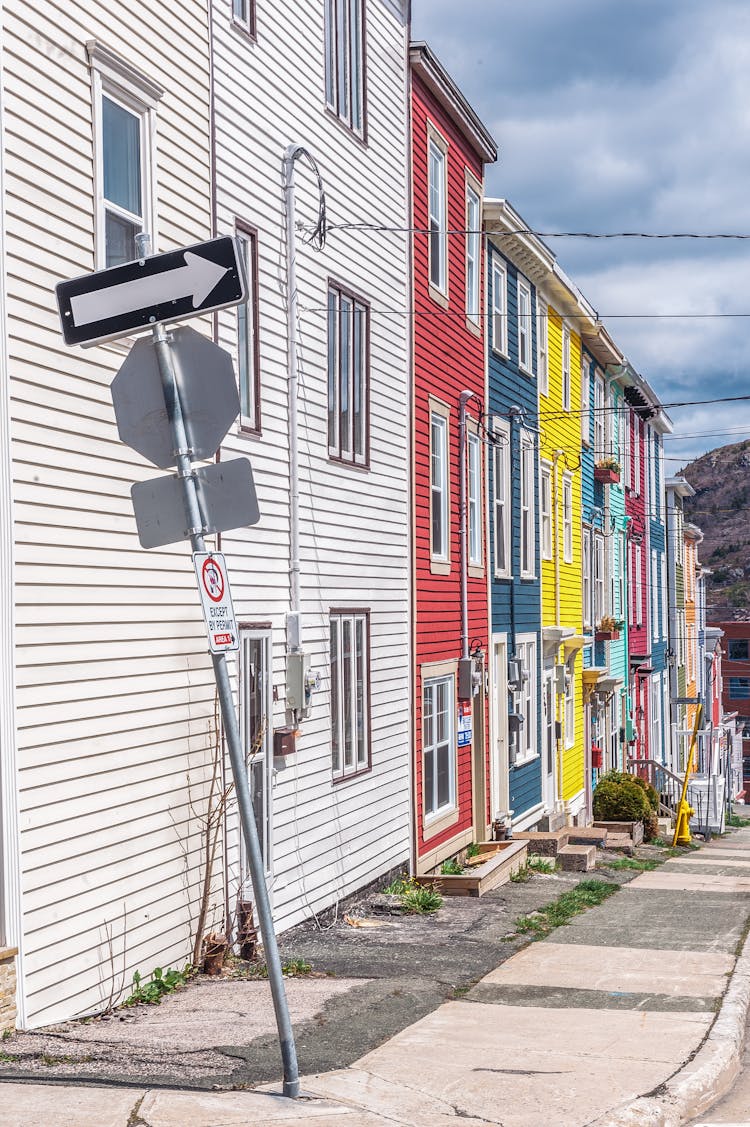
(502, 498)
(473, 255)
(474, 474)
(437, 201)
(524, 326)
(499, 308)
(439, 745)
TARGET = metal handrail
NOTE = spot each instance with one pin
(666, 783)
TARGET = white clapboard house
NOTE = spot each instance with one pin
(111, 125)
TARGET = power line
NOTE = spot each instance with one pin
(662, 235)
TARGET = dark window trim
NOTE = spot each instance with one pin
(247, 30)
(361, 137)
(343, 778)
(251, 234)
(334, 284)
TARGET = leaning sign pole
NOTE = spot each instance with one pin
(116, 302)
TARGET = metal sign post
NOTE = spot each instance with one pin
(185, 474)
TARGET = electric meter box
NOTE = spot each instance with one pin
(297, 674)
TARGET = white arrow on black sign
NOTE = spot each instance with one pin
(166, 287)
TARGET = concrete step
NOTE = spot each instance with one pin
(588, 835)
(577, 858)
(548, 823)
(547, 842)
(621, 843)
(633, 829)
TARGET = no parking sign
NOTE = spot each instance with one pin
(216, 599)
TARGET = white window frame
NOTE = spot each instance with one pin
(525, 361)
(566, 381)
(433, 812)
(247, 334)
(345, 90)
(545, 509)
(569, 706)
(600, 418)
(542, 345)
(473, 254)
(474, 495)
(585, 400)
(345, 311)
(114, 78)
(502, 497)
(627, 461)
(587, 584)
(358, 725)
(636, 455)
(600, 577)
(638, 565)
(524, 742)
(440, 482)
(499, 307)
(567, 496)
(243, 15)
(528, 506)
(437, 213)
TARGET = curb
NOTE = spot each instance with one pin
(708, 1076)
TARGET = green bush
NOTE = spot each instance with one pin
(620, 800)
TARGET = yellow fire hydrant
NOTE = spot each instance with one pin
(682, 828)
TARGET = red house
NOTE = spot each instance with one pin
(635, 483)
(450, 147)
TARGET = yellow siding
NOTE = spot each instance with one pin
(560, 445)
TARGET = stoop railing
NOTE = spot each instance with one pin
(666, 784)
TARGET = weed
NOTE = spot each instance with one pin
(451, 868)
(472, 850)
(291, 968)
(9, 1058)
(541, 864)
(637, 863)
(737, 821)
(162, 982)
(398, 886)
(7, 1034)
(420, 900)
(521, 875)
(586, 894)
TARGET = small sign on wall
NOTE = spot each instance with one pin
(464, 723)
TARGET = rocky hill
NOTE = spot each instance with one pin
(721, 508)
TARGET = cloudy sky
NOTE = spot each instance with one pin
(627, 116)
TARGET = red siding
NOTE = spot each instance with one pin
(639, 637)
(448, 359)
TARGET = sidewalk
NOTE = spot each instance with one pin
(569, 1031)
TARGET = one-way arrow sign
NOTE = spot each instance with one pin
(166, 287)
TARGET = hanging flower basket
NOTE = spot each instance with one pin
(606, 635)
(597, 757)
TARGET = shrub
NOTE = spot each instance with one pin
(620, 800)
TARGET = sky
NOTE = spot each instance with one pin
(627, 115)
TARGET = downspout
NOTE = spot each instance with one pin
(293, 618)
(559, 721)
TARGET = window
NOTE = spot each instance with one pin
(247, 338)
(502, 499)
(243, 14)
(473, 256)
(344, 47)
(638, 566)
(348, 362)
(523, 738)
(627, 468)
(585, 402)
(474, 450)
(600, 439)
(570, 708)
(437, 218)
(636, 454)
(655, 500)
(499, 304)
(567, 518)
(528, 528)
(438, 745)
(738, 649)
(438, 486)
(588, 590)
(125, 102)
(350, 691)
(546, 510)
(524, 326)
(566, 368)
(542, 347)
(739, 688)
(600, 590)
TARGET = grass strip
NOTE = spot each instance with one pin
(640, 864)
(586, 894)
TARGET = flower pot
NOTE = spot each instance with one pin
(606, 635)
(606, 475)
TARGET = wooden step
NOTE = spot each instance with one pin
(577, 858)
(547, 842)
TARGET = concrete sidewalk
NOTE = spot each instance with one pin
(612, 1020)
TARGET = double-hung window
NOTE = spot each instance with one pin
(567, 491)
(502, 497)
(600, 420)
(439, 479)
(600, 588)
(542, 346)
(473, 254)
(636, 454)
(474, 475)
(437, 214)
(638, 565)
(627, 472)
(247, 336)
(585, 402)
(570, 707)
(243, 15)
(348, 364)
(588, 591)
(566, 368)
(344, 51)
(125, 122)
(523, 739)
(350, 692)
(439, 745)
(524, 326)
(528, 508)
(545, 501)
(499, 308)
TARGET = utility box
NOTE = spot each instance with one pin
(284, 742)
(297, 681)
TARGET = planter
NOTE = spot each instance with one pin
(498, 860)
(606, 635)
(597, 757)
(606, 476)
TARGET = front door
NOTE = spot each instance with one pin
(549, 700)
(499, 767)
(257, 739)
